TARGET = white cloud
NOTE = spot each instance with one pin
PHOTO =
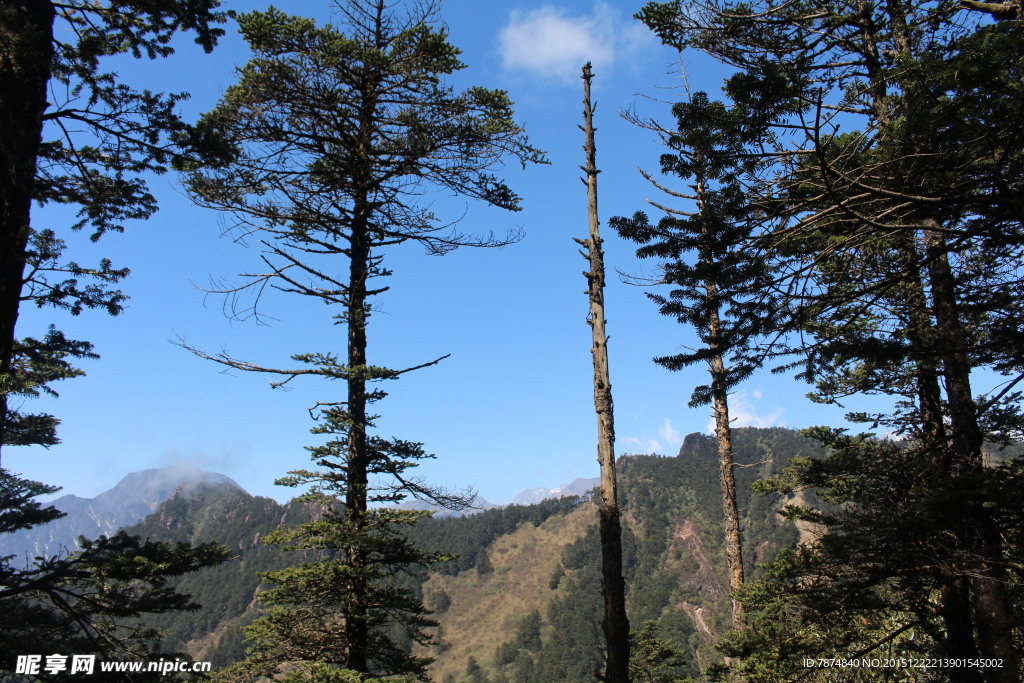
(670, 435)
(551, 43)
(636, 445)
(743, 412)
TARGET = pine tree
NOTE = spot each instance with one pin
(85, 150)
(92, 600)
(721, 293)
(328, 139)
(900, 243)
(654, 660)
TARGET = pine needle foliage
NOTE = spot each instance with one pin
(75, 135)
(896, 243)
(321, 154)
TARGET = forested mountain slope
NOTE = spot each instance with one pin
(521, 602)
(137, 495)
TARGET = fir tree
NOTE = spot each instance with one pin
(87, 150)
(897, 243)
(328, 139)
(75, 135)
(718, 278)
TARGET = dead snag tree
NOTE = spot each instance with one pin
(615, 624)
(329, 140)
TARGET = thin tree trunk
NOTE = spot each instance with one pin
(615, 623)
(727, 476)
(723, 431)
(26, 42)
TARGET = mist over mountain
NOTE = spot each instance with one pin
(479, 504)
(133, 498)
(139, 494)
(577, 487)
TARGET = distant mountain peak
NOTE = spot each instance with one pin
(134, 497)
(577, 487)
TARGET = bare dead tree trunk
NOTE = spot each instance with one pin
(615, 623)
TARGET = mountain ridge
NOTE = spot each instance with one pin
(135, 496)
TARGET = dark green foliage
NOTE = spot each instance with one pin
(439, 602)
(662, 497)
(93, 600)
(36, 364)
(468, 537)
(867, 586)
(75, 135)
(572, 649)
(322, 151)
(223, 515)
(653, 659)
(474, 674)
(87, 148)
(309, 609)
(527, 641)
(719, 284)
(892, 217)
(663, 574)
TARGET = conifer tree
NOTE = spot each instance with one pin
(900, 235)
(721, 292)
(86, 148)
(74, 135)
(329, 138)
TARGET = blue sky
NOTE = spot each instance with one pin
(511, 408)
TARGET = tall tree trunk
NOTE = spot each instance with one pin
(615, 623)
(726, 471)
(358, 458)
(356, 313)
(723, 428)
(964, 608)
(954, 596)
(990, 602)
(26, 50)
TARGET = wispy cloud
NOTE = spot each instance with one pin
(744, 413)
(551, 43)
(635, 445)
(670, 435)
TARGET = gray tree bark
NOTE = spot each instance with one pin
(615, 623)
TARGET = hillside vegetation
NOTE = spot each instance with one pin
(521, 600)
